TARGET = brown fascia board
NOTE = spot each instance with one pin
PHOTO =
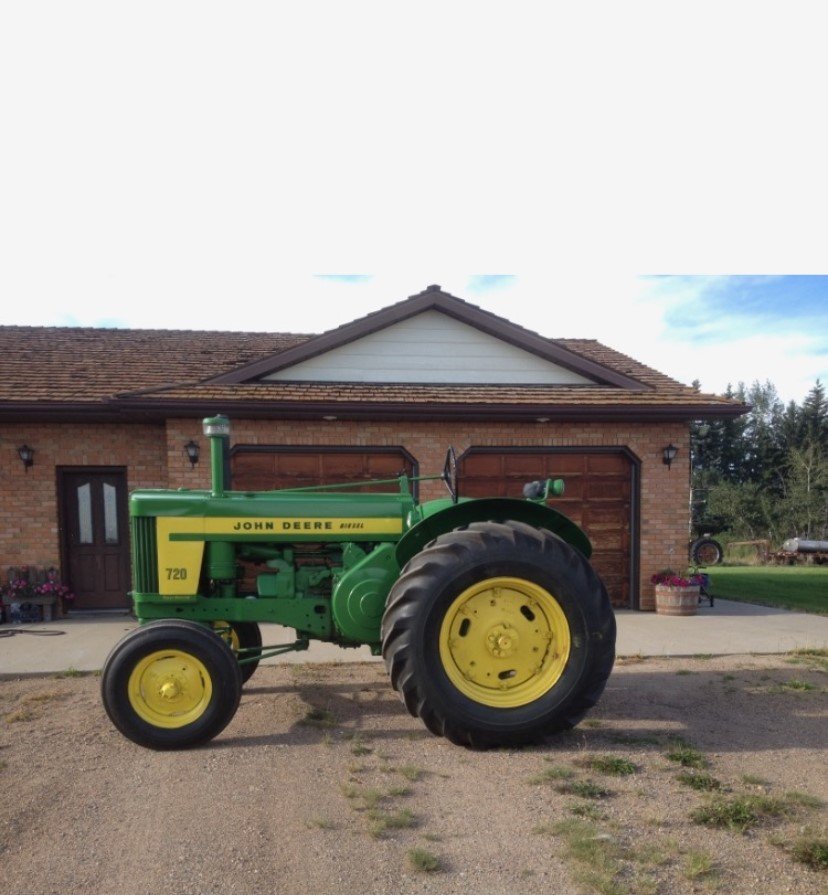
(431, 299)
(158, 411)
(431, 411)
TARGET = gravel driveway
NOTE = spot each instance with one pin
(324, 784)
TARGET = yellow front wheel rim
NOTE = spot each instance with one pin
(170, 688)
(504, 642)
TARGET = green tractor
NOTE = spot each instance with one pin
(494, 628)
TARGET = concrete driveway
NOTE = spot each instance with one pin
(728, 628)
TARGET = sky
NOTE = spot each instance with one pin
(650, 175)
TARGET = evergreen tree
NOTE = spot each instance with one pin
(815, 417)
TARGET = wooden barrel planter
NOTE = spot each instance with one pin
(676, 600)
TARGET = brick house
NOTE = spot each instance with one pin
(107, 410)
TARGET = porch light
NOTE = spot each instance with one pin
(669, 454)
(192, 451)
(26, 455)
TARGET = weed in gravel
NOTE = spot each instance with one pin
(699, 780)
(321, 823)
(804, 799)
(703, 656)
(753, 780)
(3, 765)
(383, 821)
(316, 717)
(588, 810)
(45, 696)
(811, 852)
(411, 772)
(18, 715)
(550, 775)
(740, 813)
(350, 791)
(698, 864)
(399, 791)
(612, 765)
(70, 672)
(592, 722)
(595, 853)
(635, 659)
(687, 756)
(728, 677)
(797, 685)
(815, 659)
(586, 789)
(685, 671)
(358, 747)
(424, 861)
(432, 837)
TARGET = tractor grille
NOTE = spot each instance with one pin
(144, 555)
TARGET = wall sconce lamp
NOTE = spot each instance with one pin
(26, 455)
(192, 449)
(669, 454)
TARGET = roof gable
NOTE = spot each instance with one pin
(430, 347)
(521, 356)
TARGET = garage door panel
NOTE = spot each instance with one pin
(254, 464)
(523, 465)
(607, 489)
(560, 464)
(295, 466)
(263, 469)
(608, 464)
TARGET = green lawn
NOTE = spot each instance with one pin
(804, 588)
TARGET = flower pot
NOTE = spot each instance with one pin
(676, 600)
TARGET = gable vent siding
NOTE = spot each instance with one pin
(430, 348)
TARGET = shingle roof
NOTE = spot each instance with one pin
(69, 364)
(168, 371)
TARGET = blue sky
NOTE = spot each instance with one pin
(193, 166)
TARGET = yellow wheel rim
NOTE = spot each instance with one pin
(504, 642)
(170, 688)
(228, 634)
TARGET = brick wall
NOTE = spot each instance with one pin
(664, 496)
(154, 456)
(29, 500)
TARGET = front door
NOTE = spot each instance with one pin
(95, 536)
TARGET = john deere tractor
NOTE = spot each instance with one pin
(494, 628)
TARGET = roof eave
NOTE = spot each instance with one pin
(361, 410)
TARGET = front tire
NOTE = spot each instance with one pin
(171, 684)
(498, 634)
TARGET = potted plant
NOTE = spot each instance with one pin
(676, 594)
(52, 587)
(16, 591)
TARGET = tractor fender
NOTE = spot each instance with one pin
(442, 516)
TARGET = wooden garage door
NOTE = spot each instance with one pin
(260, 468)
(598, 497)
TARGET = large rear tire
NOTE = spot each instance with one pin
(498, 634)
(706, 552)
(171, 684)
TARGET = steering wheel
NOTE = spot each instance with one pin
(449, 475)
